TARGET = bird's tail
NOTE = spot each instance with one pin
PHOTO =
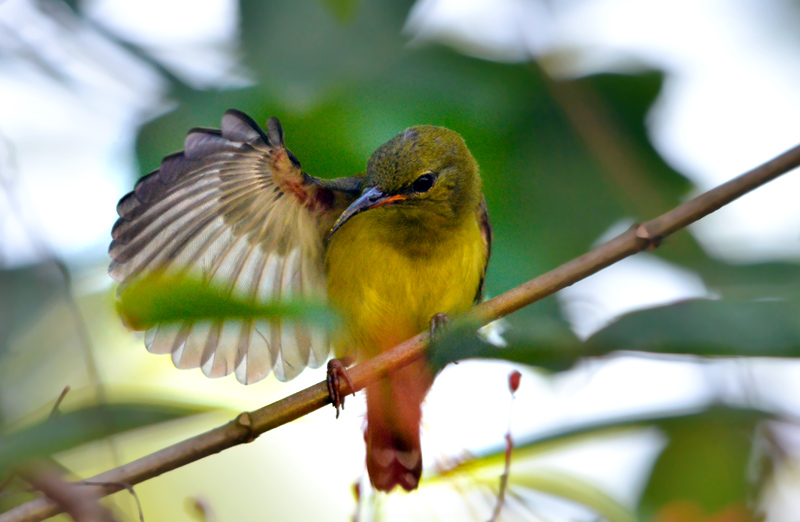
(394, 412)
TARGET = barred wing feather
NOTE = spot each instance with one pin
(235, 210)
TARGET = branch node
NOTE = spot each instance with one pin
(649, 241)
(245, 420)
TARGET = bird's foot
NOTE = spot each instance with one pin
(438, 321)
(337, 370)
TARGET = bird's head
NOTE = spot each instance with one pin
(424, 176)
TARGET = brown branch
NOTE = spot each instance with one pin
(249, 425)
(78, 502)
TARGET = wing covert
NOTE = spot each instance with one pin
(235, 210)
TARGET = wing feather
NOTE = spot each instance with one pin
(234, 209)
(486, 233)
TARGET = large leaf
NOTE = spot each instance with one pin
(705, 466)
(703, 327)
(693, 466)
(768, 328)
(752, 281)
(71, 429)
(163, 299)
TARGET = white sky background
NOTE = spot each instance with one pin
(730, 103)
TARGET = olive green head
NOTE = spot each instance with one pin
(424, 176)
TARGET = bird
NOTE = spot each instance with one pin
(396, 250)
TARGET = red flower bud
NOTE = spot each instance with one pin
(513, 381)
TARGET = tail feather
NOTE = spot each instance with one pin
(389, 467)
(394, 413)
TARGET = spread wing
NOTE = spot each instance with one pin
(234, 209)
(486, 232)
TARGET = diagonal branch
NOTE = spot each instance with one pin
(247, 426)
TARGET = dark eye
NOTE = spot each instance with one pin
(423, 183)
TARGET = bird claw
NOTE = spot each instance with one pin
(337, 370)
(438, 321)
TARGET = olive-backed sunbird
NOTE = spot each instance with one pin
(390, 249)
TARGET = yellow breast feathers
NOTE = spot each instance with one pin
(386, 295)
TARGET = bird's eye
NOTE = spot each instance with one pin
(423, 183)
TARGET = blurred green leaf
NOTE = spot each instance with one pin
(164, 299)
(552, 350)
(573, 488)
(72, 429)
(705, 463)
(555, 483)
(767, 328)
(298, 51)
(689, 463)
(24, 292)
(702, 327)
(752, 281)
(531, 447)
(343, 10)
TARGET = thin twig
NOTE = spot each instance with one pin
(81, 505)
(123, 485)
(59, 400)
(513, 385)
(249, 425)
(501, 494)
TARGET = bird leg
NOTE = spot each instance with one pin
(337, 370)
(438, 321)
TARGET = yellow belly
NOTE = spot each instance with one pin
(386, 296)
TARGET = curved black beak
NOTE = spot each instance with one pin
(371, 198)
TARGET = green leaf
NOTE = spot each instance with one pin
(691, 462)
(554, 349)
(71, 429)
(163, 299)
(343, 10)
(705, 463)
(766, 328)
(24, 292)
(298, 52)
(752, 281)
(570, 487)
(702, 327)
(563, 437)
(486, 471)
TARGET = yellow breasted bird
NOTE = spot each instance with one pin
(391, 248)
